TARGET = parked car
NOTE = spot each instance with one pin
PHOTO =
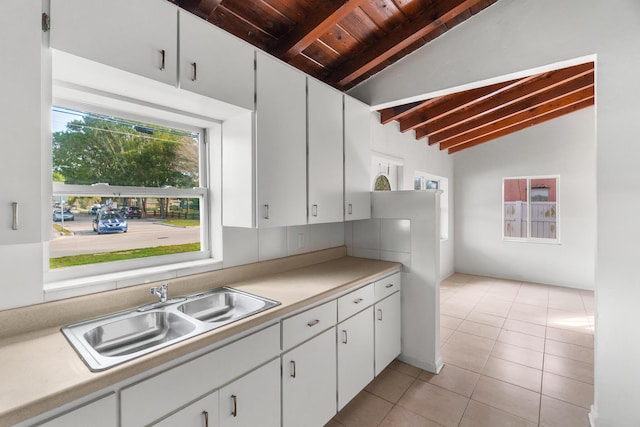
(64, 215)
(134, 212)
(109, 222)
(94, 209)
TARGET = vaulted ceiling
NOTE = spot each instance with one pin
(344, 42)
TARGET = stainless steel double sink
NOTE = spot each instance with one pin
(107, 341)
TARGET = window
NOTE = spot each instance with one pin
(126, 189)
(530, 208)
(425, 181)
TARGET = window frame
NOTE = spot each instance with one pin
(79, 280)
(528, 238)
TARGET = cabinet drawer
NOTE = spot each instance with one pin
(355, 301)
(303, 326)
(144, 402)
(387, 286)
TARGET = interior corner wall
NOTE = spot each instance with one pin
(417, 156)
(564, 147)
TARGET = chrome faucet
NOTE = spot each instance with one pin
(161, 292)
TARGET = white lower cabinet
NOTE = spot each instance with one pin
(309, 382)
(355, 355)
(100, 413)
(203, 413)
(387, 331)
(253, 400)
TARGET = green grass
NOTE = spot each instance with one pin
(84, 259)
(182, 222)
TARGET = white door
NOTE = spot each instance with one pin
(387, 331)
(281, 135)
(309, 382)
(203, 413)
(253, 400)
(137, 36)
(355, 355)
(325, 160)
(357, 160)
(214, 63)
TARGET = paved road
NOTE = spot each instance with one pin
(142, 233)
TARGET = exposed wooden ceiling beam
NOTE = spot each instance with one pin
(522, 116)
(520, 126)
(448, 104)
(523, 89)
(201, 8)
(394, 113)
(324, 17)
(499, 106)
(400, 39)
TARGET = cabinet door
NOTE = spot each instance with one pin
(203, 413)
(357, 160)
(101, 413)
(387, 331)
(253, 400)
(309, 382)
(214, 63)
(355, 355)
(138, 36)
(325, 159)
(281, 134)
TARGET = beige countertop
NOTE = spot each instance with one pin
(40, 371)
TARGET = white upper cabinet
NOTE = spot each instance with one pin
(281, 149)
(214, 63)
(357, 188)
(325, 158)
(138, 36)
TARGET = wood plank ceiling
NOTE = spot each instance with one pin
(344, 42)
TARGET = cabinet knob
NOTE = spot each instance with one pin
(293, 369)
(194, 71)
(389, 285)
(266, 211)
(314, 210)
(313, 323)
(350, 210)
(357, 301)
(344, 336)
(14, 214)
(380, 314)
(206, 418)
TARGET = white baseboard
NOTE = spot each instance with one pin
(593, 414)
(433, 367)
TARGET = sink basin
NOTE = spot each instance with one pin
(107, 341)
(136, 333)
(224, 305)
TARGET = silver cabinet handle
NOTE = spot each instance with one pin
(234, 408)
(266, 211)
(162, 57)
(314, 210)
(380, 314)
(358, 301)
(389, 285)
(350, 211)
(344, 336)
(293, 369)
(206, 418)
(313, 323)
(14, 214)
(194, 71)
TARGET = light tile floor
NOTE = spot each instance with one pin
(515, 354)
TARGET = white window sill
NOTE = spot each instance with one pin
(103, 282)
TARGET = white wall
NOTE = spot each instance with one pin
(565, 147)
(515, 35)
(417, 156)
